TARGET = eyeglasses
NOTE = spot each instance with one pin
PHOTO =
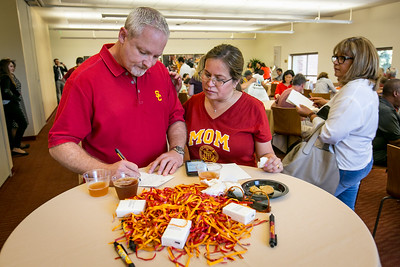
(205, 76)
(340, 59)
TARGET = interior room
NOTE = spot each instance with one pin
(37, 31)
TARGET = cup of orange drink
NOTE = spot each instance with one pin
(209, 170)
(97, 182)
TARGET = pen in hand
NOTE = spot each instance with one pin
(120, 154)
(273, 238)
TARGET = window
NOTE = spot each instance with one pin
(385, 57)
(306, 64)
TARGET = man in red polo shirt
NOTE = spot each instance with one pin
(123, 98)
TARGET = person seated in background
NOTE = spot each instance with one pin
(285, 84)
(225, 125)
(324, 84)
(298, 84)
(79, 61)
(185, 85)
(280, 75)
(391, 73)
(388, 131)
(247, 80)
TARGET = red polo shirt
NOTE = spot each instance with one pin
(103, 107)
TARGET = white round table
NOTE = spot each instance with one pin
(313, 227)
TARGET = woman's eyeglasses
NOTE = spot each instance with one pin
(340, 59)
(205, 76)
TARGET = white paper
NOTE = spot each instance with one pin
(296, 99)
(153, 180)
(232, 172)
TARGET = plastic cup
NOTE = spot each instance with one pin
(97, 182)
(126, 187)
(209, 170)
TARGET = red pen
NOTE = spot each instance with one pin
(273, 238)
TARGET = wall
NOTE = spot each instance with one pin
(44, 64)
(373, 23)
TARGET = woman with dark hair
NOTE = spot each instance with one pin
(285, 84)
(353, 117)
(12, 109)
(324, 84)
(225, 125)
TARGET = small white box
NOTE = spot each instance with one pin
(176, 233)
(239, 213)
(130, 206)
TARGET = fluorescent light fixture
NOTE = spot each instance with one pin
(250, 19)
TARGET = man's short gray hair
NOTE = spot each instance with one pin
(141, 17)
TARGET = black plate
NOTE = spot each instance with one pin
(280, 189)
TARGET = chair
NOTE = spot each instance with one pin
(307, 92)
(273, 88)
(326, 96)
(393, 179)
(286, 121)
(183, 97)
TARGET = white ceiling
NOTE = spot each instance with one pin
(212, 15)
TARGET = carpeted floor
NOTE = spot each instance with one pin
(387, 238)
(38, 178)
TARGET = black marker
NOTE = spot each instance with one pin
(119, 248)
(273, 238)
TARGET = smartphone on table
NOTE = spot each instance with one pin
(191, 166)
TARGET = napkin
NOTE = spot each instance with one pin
(153, 180)
(217, 187)
(232, 172)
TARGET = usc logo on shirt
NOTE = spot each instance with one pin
(209, 136)
(158, 95)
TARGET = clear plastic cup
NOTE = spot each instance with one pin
(125, 186)
(97, 182)
(209, 170)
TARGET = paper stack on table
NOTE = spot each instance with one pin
(153, 180)
(296, 99)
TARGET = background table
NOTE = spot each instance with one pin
(313, 228)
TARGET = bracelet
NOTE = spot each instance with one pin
(179, 150)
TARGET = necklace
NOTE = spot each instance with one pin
(226, 103)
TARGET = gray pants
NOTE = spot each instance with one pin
(59, 89)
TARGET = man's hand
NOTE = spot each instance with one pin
(176, 80)
(128, 168)
(304, 111)
(167, 163)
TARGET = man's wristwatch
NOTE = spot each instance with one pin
(179, 150)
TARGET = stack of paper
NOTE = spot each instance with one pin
(153, 180)
(295, 98)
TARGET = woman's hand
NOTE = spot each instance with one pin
(318, 101)
(273, 163)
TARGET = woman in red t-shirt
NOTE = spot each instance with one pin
(285, 84)
(225, 125)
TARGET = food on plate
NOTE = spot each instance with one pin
(262, 189)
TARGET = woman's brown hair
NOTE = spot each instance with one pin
(365, 59)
